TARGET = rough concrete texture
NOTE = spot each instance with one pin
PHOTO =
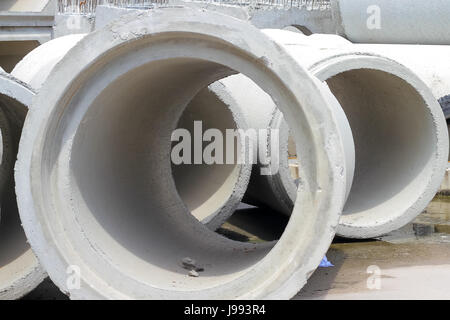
(398, 170)
(89, 118)
(315, 21)
(382, 271)
(20, 271)
(212, 192)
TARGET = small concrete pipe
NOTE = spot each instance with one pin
(20, 271)
(387, 21)
(400, 134)
(212, 191)
(93, 175)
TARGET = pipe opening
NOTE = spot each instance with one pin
(394, 143)
(207, 189)
(123, 197)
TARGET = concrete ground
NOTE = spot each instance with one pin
(410, 263)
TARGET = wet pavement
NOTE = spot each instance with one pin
(410, 263)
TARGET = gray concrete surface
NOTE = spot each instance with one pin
(410, 263)
(414, 262)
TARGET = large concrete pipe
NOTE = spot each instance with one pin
(20, 271)
(212, 191)
(400, 134)
(94, 176)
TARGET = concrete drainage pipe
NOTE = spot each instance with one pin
(401, 141)
(94, 173)
(19, 269)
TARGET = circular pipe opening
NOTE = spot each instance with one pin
(395, 144)
(211, 188)
(122, 186)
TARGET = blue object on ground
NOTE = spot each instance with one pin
(325, 263)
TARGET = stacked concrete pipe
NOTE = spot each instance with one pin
(93, 174)
(400, 135)
(20, 271)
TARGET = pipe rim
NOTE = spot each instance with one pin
(31, 276)
(323, 203)
(236, 190)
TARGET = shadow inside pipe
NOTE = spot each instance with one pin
(254, 224)
(13, 242)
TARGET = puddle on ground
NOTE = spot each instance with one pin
(432, 226)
